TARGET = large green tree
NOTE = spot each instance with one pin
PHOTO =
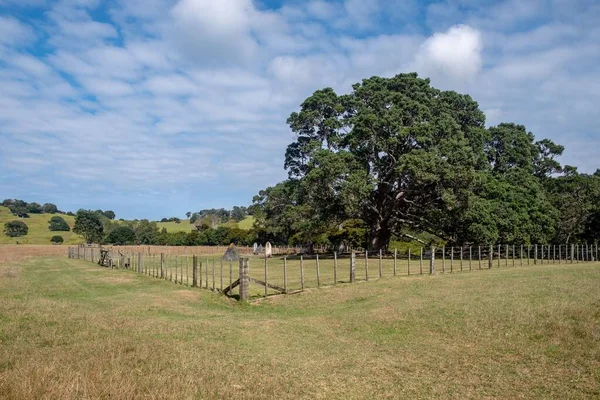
(88, 223)
(15, 229)
(401, 155)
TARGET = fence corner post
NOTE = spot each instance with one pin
(244, 281)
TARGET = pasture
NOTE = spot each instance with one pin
(38, 229)
(69, 328)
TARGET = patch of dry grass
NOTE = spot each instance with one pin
(510, 333)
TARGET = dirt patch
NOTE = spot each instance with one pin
(8, 273)
(117, 279)
(18, 252)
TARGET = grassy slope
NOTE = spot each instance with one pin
(71, 329)
(185, 225)
(38, 229)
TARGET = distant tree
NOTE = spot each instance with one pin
(188, 214)
(49, 208)
(15, 229)
(121, 235)
(89, 225)
(57, 224)
(238, 213)
(109, 214)
(57, 239)
(34, 208)
(70, 213)
(146, 232)
(164, 220)
(194, 218)
(7, 202)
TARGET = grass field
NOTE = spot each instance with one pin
(69, 329)
(185, 226)
(38, 229)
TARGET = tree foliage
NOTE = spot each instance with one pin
(57, 239)
(397, 155)
(123, 235)
(88, 223)
(15, 228)
(58, 224)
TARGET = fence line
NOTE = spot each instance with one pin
(289, 274)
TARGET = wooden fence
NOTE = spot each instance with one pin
(259, 276)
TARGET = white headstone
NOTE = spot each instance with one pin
(268, 250)
(255, 248)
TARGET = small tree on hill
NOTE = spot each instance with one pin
(58, 224)
(15, 229)
(57, 239)
(50, 208)
(89, 225)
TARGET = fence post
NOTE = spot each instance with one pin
(285, 289)
(452, 259)
(244, 282)
(409, 261)
(367, 264)
(92, 258)
(140, 265)
(421, 262)
(506, 256)
(162, 266)
(535, 255)
(432, 261)
(380, 263)
(194, 271)
(318, 272)
(514, 255)
(352, 267)
(334, 268)
(572, 253)
(499, 254)
(461, 258)
(214, 288)
(491, 257)
(443, 259)
(395, 261)
(302, 272)
(479, 256)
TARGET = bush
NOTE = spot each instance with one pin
(121, 235)
(58, 224)
(57, 239)
(15, 229)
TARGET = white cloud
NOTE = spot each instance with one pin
(191, 94)
(452, 55)
(14, 32)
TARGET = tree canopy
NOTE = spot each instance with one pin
(15, 228)
(58, 224)
(397, 155)
(88, 223)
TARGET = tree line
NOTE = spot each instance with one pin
(397, 158)
(96, 228)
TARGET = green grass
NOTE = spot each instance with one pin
(70, 329)
(38, 229)
(185, 226)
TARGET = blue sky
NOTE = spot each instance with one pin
(153, 108)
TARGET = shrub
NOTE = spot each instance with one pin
(57, 239)
(15, 229)
(58, 224)
(121, 235)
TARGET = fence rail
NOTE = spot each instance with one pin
(294, 273)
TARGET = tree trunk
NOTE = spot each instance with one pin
(380, 236)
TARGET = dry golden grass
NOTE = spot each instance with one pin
(70, 329)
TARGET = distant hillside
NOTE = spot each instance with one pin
(185, 226)
(38, 229)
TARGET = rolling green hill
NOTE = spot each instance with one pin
(185, 226)
(38, 229)
(39, 233)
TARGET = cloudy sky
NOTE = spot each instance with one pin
(153, 108)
